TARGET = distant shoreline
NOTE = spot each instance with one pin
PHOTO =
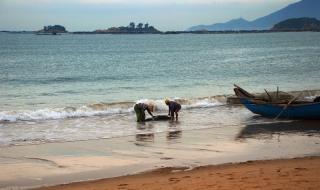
(170, 32)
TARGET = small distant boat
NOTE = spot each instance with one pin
(276, 107)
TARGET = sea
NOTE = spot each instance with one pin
(58, 88)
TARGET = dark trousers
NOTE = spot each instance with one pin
(141, 116)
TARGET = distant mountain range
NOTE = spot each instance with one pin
(304, 8)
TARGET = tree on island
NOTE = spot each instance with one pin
(140, 25)
(132, 25)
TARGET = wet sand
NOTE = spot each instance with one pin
(299, 173)
(230, 139)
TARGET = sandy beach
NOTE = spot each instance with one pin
(189, 151)
(299, 173)
(73, 72)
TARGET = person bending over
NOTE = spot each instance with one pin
(139, 108)
(174, 108)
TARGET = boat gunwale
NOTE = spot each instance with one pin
(261, 102)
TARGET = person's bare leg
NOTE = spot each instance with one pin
(172, 116)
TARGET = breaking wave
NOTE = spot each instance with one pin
(101, 109)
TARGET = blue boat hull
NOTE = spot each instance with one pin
(297, 111)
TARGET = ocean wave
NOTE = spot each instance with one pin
(57, 113)
(101, 109)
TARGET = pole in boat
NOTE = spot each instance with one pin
(286, 106)
(270, 98)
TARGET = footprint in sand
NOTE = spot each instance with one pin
(300, 168)
(174, 179)
(166, 158)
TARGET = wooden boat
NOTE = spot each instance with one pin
(279, 108)
(296, 111)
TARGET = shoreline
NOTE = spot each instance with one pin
(294, 173)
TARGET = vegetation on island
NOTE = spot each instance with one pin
(131, 29)
(298, 24)
(53, 29)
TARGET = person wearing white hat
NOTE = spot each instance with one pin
(139, 108)
(174, 108)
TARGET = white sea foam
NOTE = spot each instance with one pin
(99, 109)
(310, 98)
(45, 114)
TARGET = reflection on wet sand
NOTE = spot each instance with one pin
(149, 137)
(144, 126)
(173, 135)
(146, 132)
(174, 132)
(267, 130)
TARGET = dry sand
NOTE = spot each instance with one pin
(299, 173)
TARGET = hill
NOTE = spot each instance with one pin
(304, 8)
(298, 24)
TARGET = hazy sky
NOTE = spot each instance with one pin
(165, 15)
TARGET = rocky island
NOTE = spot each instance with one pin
(56, 29)
(131, 29)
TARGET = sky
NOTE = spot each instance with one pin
(165, 15)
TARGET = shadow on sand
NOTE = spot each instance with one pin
(267, 130)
